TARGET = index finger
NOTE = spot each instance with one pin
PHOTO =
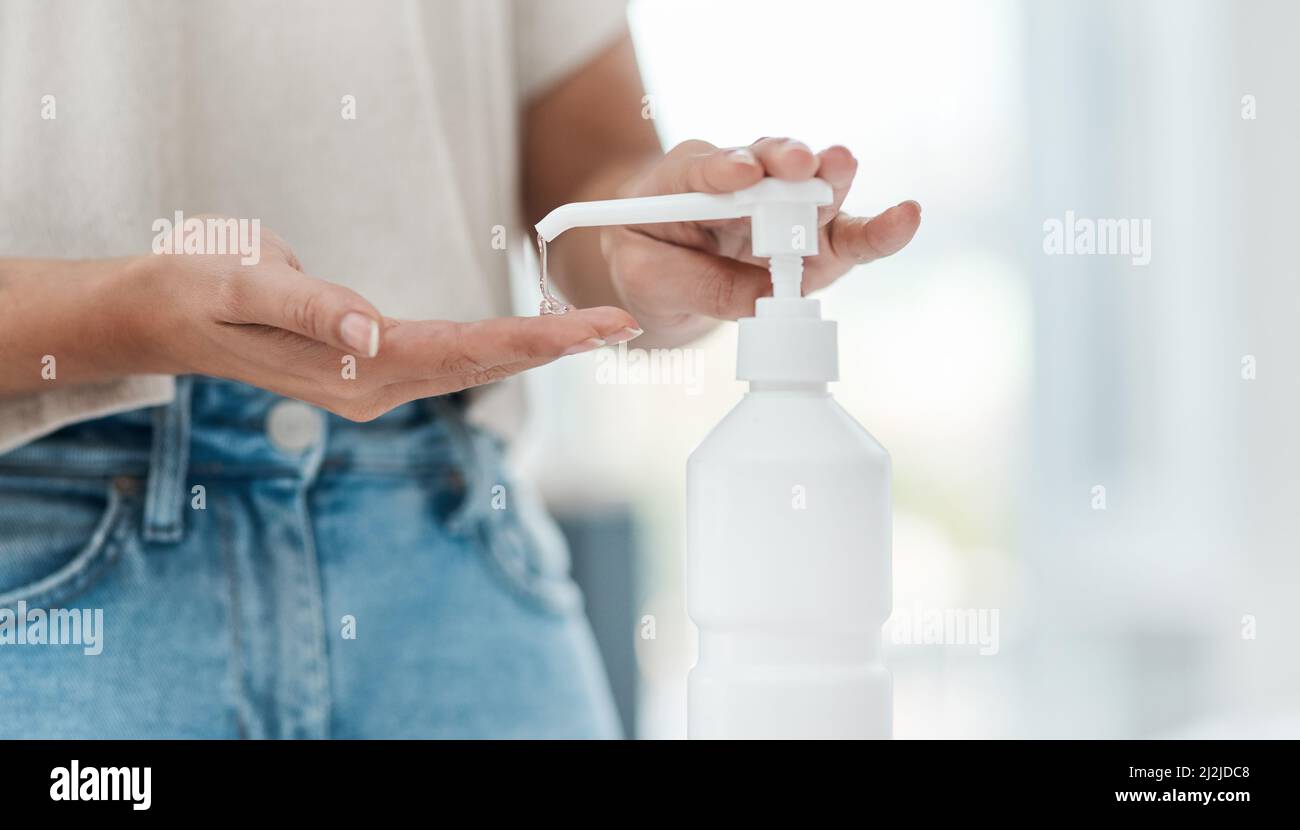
(785, 158)
(837, 167)
(700, 167)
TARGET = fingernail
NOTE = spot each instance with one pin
(585, 346)
(623, 336)
(360, 333)
(910, 201)
(742, 156)
(793, 144)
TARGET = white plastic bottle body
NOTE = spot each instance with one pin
(788, 572)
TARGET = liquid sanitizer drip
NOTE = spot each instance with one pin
(787, 502)
(549, 304)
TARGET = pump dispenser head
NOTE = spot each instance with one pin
(786, 341)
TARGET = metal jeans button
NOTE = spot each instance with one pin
(293, 426)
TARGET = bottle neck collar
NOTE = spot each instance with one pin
(788, 387)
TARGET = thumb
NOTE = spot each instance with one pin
(286, 298)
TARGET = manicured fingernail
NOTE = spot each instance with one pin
(585, 346)
(742, 156)
(910, 202)
(623, 336)
(360, 333)
(793, 144)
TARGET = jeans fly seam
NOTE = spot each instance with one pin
(311, 613)
(234, 610)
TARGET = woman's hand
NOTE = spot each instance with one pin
(270, 325)
(674, 277)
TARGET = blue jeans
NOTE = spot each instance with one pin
(263, 569)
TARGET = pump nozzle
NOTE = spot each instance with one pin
(784, 216)
(787, 340)
(686, 207)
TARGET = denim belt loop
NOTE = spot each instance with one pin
(169, 461)
(467, 449)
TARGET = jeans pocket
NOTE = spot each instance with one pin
(58, 536)
(521, 545)
(533, 565)
(527, 551)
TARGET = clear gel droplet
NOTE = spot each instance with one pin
(549, 304)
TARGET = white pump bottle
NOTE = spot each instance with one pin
(787, 502)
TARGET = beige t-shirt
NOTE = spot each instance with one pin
(239, 108)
